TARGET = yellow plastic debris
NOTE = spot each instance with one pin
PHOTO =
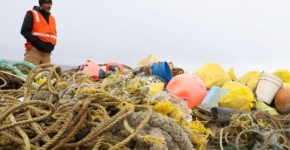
(238, 97)
(232, 74)
(286, 84)
(283, 74)
(42, 77)
(155, 88)
(213, 75)
(250, 79)
(150, 59)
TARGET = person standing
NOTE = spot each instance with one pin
(39, 30)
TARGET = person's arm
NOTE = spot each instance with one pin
(27, 28)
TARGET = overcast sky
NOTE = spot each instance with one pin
(244, 34)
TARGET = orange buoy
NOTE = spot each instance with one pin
(282, 100)
(92, 69)
(187, 87)
(111, 66)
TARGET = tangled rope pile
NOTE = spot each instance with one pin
(256, 130)
(67, 110)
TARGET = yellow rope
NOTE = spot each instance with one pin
(21, 132)
(221, 139)
(197, 113)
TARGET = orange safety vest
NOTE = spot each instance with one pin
(41, 29)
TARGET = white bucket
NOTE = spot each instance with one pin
(267, 87)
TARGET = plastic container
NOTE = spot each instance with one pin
(187, 87)
(212, 98)
(267, 87)
(162, 70)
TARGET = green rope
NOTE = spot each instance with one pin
(6, 65)
(24, 63)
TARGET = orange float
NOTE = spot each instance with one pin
(282, 100)
(92, 69)
(111, 66)
(187, 87)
